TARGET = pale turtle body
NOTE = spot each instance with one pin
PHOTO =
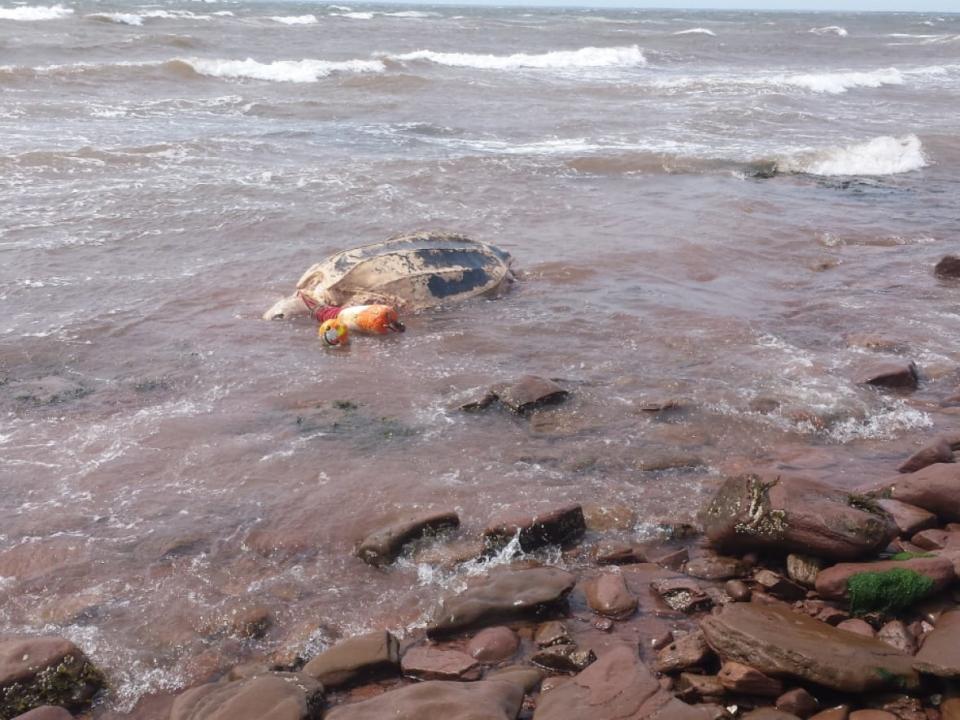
(412, 271)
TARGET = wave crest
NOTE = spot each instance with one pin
(295, 71)
(295, 19)
(830, 30)
(588, 57)
(836, 83)
(27, 13)
(696, 31)
(883, 155)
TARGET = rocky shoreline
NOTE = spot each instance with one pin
(793, 599)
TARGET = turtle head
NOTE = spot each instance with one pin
(333, 333)
(289, 307)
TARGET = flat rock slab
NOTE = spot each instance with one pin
(503, 596)
(383, 545)
(940, 654)
(521, 396)
(37, 671)
(426, 663)
(484, 700)
(786, 514)
(356, 660)
(739, 678)
(939, 451)
(608, 595)
(782, 643)
(909, 519)
(936, 488)
(832, 582)
(271, 696)
(616, 687)
(562, 526)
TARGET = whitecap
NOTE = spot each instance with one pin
(295, 19)
(588, 57)
(137, 19)
(355, 15)
(834, 83)
(35, 12)
(119, 18)
(296, 71)
(696, 31)
(830, 30)
(883, 155)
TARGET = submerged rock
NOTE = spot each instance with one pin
(894, 374)
(503, 596)
(564, 658)
(948, 268)
(269, 696)
(37, 671)
(485, 700)
(793, 514)
(782, 643)
(562, 526)
(356, 660)
(384, 544)
(521, 396)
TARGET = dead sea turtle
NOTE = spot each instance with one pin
(412, 271)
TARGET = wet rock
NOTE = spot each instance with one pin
(797, 702)
(892, 374)
(769, 713)
(909, 519)
(552, 633)
(661, 640)
(896, 634)
(939, 451)
(935, 488)
(251, 622)
(832, 583)
(426, 663)
(876, 343)
(37, 671)
(782, 643)
(502, 596)
(564, 658)
(681, 594)
(603, 624)
(743, 679)
(272, 696)
(46, 712)
(601, 518)
(522, 396)
(713, 711)
(858, 626)
(562, 526)
(778, 586)
(692, 688)
(383, 545)
(356, 660)
(49, 390)
(523, 675)
(608, 595)
(871, 715)
(737, 590)
(672, 559)
(838, 712)
(617, 686)
(619, 554)
(494, 645)
(940, 653)
(934, 539)
(948, 268)
(803, 569)
(715, 567)
(793, 514)
(902, 706)
(485, 700)
(683, 653)
(450, 554)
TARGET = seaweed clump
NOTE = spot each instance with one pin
(887, 591)
(911, 555)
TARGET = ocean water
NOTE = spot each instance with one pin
(710, 207)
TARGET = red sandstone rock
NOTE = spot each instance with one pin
(948, 268)
(46, 712)
(858, 626)
(608, 595)
(715, 567)
(384, 544)
(896, 634)
(427, 663)
(940, 653)
(832, 582)
(908, 518)
(839, 712)
(892, 374)
(939, 451)
(778, 586)
(485, 700)
(785, 514)
(559, 526)
(871, 715)
(619, 554)
(936, 539)
(494, 645)
(743, 679)
(693, 688)
(798, 702)
(782, 643)
(356, 660)
(683, 653)
(769, 713)
(935, 488)
(271, 696)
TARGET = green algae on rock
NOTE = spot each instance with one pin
(887, 591)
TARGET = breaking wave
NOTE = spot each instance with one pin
(588, 57)
(839, 82)
(295, 19)
(696, 31)
(370, 15)
(35, 12)
(830, 30)
(294, 71)
(137, 19)
(880, 156)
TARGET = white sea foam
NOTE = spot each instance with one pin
(830, 30)
(137, 19)
(370, 15)
(696, 31)
(119, 18)
(880, 156)
(834, 83)
(588, 57)
(296, 71)
(356, 15)
(295, 19)
(35, 12)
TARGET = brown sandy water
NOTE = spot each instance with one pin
(167, 458)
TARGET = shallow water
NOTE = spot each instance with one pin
(168, 171)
